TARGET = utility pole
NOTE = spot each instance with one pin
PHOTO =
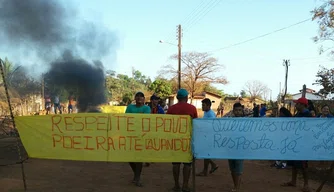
(43, 92)
(286, 64)
(179, 36)
(304, 91)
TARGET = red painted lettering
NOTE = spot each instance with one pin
(118, 121)
(138, 146)
(111, 143)
(75, 143)
(101, 123)
(185, 144)
(90, 120)
(87, 142)
(56, 119)
(176, 146)
(147, 125)
(99, 142)
(75, 120)
(56, 139)
(122, 142)
(184, 125)
(175, 128)
(148, 144)
(68, 124)
(162, 143)
(130, 138)
(67, 142)
(157, 121)
(167, 127)
(128, 123)
(169, 144)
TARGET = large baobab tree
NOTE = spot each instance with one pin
(198, 70)
(256, 89)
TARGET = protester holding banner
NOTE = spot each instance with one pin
(325, 112)
(302, 111)
(155, 109)
(236, 165)
(283, 112)
(138, 107)
(182, 108)
(208, 113)
(263, 110)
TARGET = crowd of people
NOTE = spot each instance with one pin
(53, 102)
(304, 108)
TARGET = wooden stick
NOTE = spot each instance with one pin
(14, 126)
(194, 174)
(330, 171)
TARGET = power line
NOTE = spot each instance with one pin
(200, 5)
(210, 6)
(191, 15)
(258, 37)
(188, 18)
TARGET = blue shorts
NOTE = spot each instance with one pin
(236, 166)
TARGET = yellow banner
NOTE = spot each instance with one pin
(107, 137)
(113, 109)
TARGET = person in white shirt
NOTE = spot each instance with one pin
(208, 113)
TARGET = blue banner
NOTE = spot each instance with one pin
(264, 138)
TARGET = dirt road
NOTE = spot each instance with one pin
(78, 176)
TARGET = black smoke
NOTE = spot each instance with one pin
(86, 80)
(38, 25)
(47, 28)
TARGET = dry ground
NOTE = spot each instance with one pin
(76, 176)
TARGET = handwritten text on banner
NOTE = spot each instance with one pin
(264, 138)
(107, 137)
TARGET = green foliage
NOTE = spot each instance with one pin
(9, 70)
(24, 85)
(162, 87)
(19, 83)
(325, 78)
(324, 15)
(54, 89)
(243, 94)
(121, 88)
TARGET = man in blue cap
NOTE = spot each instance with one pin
(182, 108)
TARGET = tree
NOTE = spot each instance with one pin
(140, 78)
(324, 15)
(19, 83)
(198, 70)
(121, 88)
(243, 94)
(256, 89)
(24, 84)
(9, 71)
(162, 87)
(325, 78)
(212, 89)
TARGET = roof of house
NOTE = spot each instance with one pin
(308, 90)
(201, 95)
(313, 93)
(233, 98)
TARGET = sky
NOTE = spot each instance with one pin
(210, 25)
